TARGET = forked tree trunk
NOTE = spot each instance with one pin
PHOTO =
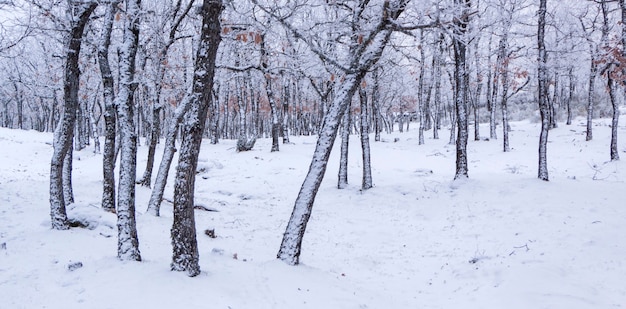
(185, 255)
(64, 134)
(128, 242)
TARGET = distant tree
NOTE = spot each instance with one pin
(346, 124)
(80, 12)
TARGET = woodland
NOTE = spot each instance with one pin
(112, 76)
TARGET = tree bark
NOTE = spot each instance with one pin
(64, 134)
(108, 155)
(460, 76)
(185, 255)
(543, 93)
(128, 242)
(342, 181)
(365, 142)
(154, 205)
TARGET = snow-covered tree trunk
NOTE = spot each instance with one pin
(365, 142)
(476, 100)
(273, 115)
(154, 205)
(362, 57)
(438, 63)
(503, 65)
(94, 125)
(376, 105)
(342, 181)
(185, 255)
(420, 91)
(110, 121)
(590, 97)
(460, 79)
(64, 133)
(68, 189)
(128, 242)
(542, 79)
(572, 88)
(285, 124)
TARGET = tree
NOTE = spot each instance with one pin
(361, 57)
(185, 248)
(128, 242)
(542, 79)
(175, 19)
(110, 122)
(63, 136)
(367, 182)
(460, 79)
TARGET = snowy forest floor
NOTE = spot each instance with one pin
(502, 239)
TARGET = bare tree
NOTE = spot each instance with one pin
(361, 57)
(175, 18)
(63, 136)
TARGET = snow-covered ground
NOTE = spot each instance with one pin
(502, 239)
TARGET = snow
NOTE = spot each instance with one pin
(417, 239)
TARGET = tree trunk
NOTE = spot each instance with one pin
(345, 138)
(420, 91)
(460, 76)
(590, 98)
(68, 190)
(543, 93)
(503, 65)
(128, 242)
(154, 206)
(615, 120)
(64, 134)
(365, 142)
(155, 126)
(108, 155)
(572, 87)
(476, 98)
(185, 255)
(285, 124)
(94, 125)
